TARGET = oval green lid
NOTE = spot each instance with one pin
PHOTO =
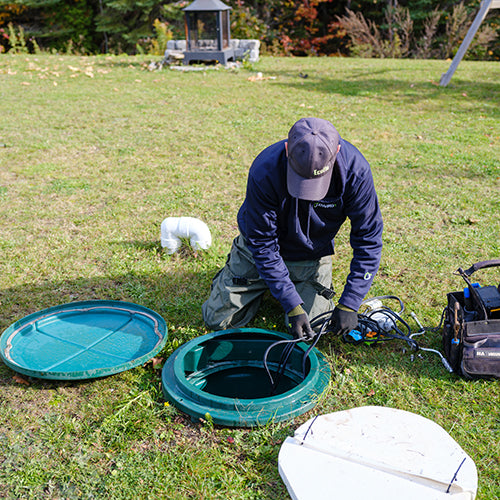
(82, 340)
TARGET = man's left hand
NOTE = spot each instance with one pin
(343, 320)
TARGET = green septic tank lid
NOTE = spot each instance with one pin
(82, 340)
(223, 374)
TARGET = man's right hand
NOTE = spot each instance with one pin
(299, 325)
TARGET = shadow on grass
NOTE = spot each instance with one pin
(110, 61)
(394, 357)
(177, 296)
(366, 83)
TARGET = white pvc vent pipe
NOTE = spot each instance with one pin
(175, 228)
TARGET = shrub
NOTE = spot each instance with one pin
(397, 39)
(17, 40)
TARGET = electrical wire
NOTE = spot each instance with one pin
(399, 328)
(315, 340)
(426, 349)
(378, 323)
(388, 325)
(285, 355)
(378, 300)
(322, 321)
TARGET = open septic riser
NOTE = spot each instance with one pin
(223, 374)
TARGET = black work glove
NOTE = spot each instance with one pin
(343, 320)
(299, 325)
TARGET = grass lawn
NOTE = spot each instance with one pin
(96, 151)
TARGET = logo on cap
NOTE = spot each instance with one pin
(312, 149)
(324, 170)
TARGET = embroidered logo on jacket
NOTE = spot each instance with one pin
(324, 204)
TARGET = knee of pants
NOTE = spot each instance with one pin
(224, 317)
(230, 305)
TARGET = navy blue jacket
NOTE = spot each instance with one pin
(278, 227)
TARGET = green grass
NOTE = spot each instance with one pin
(96, 152)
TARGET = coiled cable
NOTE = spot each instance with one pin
(377, 323)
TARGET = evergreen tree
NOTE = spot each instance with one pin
(127, 23)
(54, 23)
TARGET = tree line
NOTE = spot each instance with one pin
(368, 28)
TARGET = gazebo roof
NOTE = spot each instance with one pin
(207, 5)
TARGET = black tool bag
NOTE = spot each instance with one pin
(471, 329)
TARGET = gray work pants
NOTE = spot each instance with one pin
(237, 289)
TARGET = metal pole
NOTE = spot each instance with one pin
(483, 10)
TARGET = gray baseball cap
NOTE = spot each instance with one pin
(312, 149)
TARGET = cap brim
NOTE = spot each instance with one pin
(308, 189)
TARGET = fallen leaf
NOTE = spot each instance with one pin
(259, 77)
(371, 393)
(20, 380)
(157, 361)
